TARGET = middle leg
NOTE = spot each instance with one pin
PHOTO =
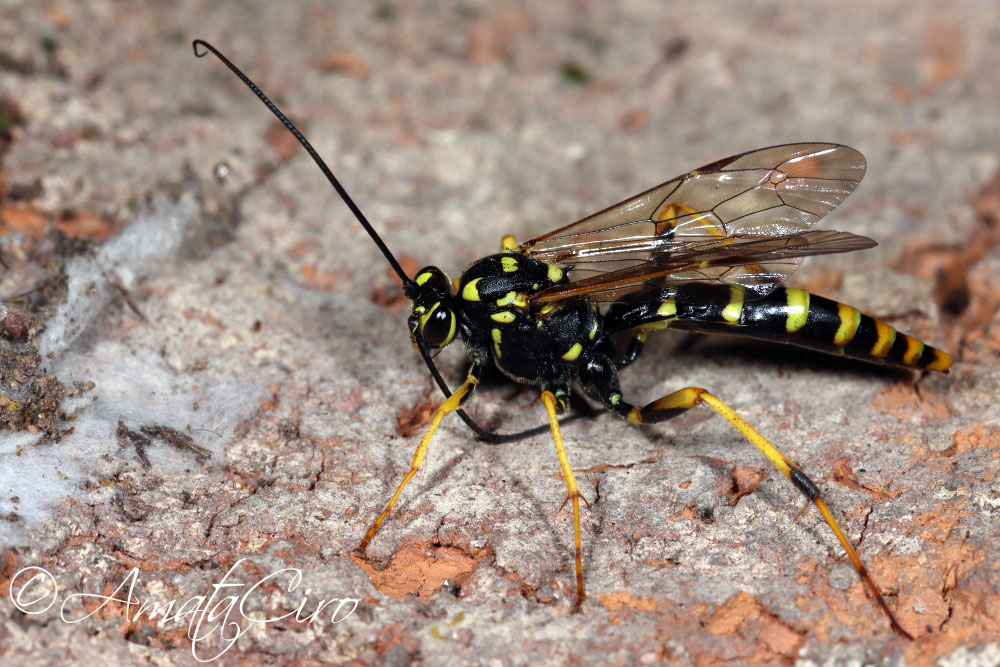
(573, 495)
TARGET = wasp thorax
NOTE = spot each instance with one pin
(432, 319)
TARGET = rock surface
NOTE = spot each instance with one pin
(248, 313)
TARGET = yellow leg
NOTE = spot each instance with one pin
(572, 491)
(680, 401)
(453, 403)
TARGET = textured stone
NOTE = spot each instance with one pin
(273, 336)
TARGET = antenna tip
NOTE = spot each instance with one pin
(200, 43)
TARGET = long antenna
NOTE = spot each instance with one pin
(408, 285)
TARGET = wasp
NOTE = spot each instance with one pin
(708, 251)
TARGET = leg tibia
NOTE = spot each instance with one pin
(572, 490)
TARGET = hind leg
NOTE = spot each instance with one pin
(603, 385)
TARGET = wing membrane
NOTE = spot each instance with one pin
(774, 193)
(757, 263)
(770, 192)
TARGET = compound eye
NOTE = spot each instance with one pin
(438, 326)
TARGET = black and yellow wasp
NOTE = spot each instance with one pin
(707, 251)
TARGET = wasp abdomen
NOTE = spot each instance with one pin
(786, 315)
(835, 327)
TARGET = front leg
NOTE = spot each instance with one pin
(453, 402)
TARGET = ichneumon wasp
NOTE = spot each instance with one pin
(707, 251)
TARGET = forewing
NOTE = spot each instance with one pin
(756, 263)
(770, 192)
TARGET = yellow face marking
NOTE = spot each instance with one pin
(573, 352)
(850, 319)
(734, 309)
(423, 277)
(798, 309)
(555, 273)
(513, 299)
(914, 348)
(886, 337)
(509, 264)
(504, 317)
(508, 242)
(593, 333)
(471, 292)
(942, 361)
(425, 316)
(496, 342)
(419, 310)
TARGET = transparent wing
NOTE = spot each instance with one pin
(777, 193)
(757, 263)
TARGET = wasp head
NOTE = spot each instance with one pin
(432, 319)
